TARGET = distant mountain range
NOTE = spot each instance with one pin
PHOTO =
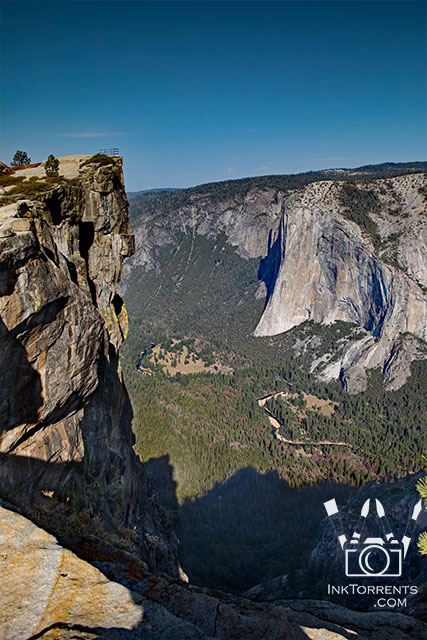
(132, 194)
(383, 170)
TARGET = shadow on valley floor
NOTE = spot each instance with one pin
(169, 609)
(253, 525)
(248, 530)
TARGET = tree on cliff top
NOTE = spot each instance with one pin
(51, 166)
(20, 159)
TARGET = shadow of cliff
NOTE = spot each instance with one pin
(238, 531)
(269, 266)
(160, 470)
(21, 394)
(247, 530)
(249, 520)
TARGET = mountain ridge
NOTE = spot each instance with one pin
(279, 181)
(384, 219)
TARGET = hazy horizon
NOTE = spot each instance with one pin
(171, 187)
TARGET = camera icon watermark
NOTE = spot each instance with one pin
(372, 557)
(373, 560)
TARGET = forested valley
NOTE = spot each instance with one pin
(239, 497)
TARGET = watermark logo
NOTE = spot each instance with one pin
(372, 557)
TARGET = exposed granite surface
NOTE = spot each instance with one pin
(328, 270)
(55, 594)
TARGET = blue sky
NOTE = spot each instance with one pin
(193, 92)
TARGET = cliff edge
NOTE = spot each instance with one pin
(66, 443)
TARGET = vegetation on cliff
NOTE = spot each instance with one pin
(51, 166)
(20, 159)
(100, 159)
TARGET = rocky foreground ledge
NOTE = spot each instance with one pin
(48, 592)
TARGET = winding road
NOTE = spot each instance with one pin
(277, 426)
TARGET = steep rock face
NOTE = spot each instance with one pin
(246, 221)
(65, 414)
(66, 597)
(328, 270)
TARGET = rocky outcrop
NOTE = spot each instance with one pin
(65, 434)
(51, 586)
(54, 594)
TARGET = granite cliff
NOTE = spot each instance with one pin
(329, 269)
(66, 441)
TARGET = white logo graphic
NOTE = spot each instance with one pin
(374, 557)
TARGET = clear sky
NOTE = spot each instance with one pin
(194, 92)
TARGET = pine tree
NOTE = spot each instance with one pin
(20, 159)
(422, 490)
(51, 166)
